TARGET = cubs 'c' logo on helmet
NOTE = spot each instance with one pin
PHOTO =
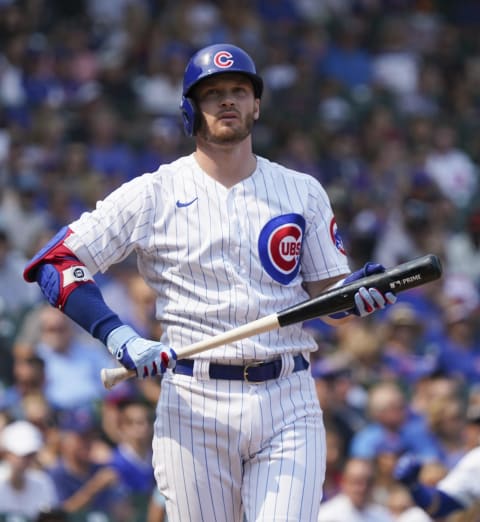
(223, 59)
(280, 246)
(336, 238)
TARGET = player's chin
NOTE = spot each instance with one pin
(229, 134)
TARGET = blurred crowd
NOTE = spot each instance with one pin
(378, 99)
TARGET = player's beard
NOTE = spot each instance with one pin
(227, 135)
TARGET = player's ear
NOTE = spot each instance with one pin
(256, 110)
(190, 115)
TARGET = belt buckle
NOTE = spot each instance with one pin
(247, 367)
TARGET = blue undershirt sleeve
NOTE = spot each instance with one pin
(86, 307)
(435, 502)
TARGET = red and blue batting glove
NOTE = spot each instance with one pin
(367, 300)
(147, 358)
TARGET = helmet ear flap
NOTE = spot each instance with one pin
(189, 115)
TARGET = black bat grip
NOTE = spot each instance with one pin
(402, 277)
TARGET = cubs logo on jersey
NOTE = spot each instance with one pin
(280, 246)
(336, 238)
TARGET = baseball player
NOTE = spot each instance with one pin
(224, 237)
(458, 490)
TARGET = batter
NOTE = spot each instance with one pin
(224, 237)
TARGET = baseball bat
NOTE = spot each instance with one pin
(397, 279)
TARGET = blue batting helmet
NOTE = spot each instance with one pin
(209, 61)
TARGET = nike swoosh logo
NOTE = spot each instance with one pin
(181, 204)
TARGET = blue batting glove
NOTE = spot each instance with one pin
(367, 300)
(407, 470)
(147, 358)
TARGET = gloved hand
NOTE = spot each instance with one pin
(407, 470)
(368, 300)
(146, 357)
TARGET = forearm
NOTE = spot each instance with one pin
(86, 493)
(68, 285)
(86, 306)
(435, 502)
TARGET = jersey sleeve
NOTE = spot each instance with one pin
(461, 482)
(119, 224)
(324, 254)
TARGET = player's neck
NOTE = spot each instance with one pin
(227, 165)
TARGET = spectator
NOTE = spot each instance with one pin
(73, 177)
(389, 421)
(300, 154)
(395, 65)
(162, 145)
(402, 507)
(458, 350)
(160, 90)
(82, 484)
(19, 211)
(336, 389)
(471, 430)
(433, 388)
(24, 488)
(28, 379)
(16, 297)
(403, 344)
(132, 457)
(72, 365)
(335, 461)
(108, 153)
(446, 158)
(462, 249)
(354, 502)
(142, 315)
(445, 421)
(386, 457)
(410, 230)
(360, 344)
(347, 60)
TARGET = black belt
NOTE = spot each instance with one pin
(253, 372)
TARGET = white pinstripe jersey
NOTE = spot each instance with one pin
(198, 246)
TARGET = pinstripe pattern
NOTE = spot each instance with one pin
(203, 259)
(222, 448)
(270, 456)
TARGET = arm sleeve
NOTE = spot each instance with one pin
(86, 306)
(435, 502)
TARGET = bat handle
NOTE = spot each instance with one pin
(113, 376)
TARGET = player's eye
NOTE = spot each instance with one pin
(240, 91)
(210, 94)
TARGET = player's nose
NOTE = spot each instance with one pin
(227, 97)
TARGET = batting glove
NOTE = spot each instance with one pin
(368, 300)
(146, 357)
(407, 470)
